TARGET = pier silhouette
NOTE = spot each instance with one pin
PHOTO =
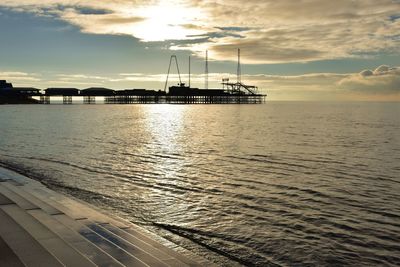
(180, 94)
(231, 92)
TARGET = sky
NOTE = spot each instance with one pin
(292, 50)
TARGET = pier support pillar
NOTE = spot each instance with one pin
(44, 99)
(89, 99)
(67, 100)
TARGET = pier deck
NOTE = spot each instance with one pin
(163, 99)
(40, 227)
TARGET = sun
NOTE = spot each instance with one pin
(168, 20)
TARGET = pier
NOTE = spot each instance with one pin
(184, 100)
(231, 92)
(180, 94)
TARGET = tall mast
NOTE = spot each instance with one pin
(189, 71)
(206, 71)
(239, 71)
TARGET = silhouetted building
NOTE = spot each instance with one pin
(17, 95)
(8, 88)
(139, 92)
(28, 91)
(183, 90)
(5, 85)
(62, 92)
(97, 91)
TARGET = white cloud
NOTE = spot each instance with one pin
(383, 80)
(366, 73)
(21, 77)
(268, 31)
(383, 69)
(74, 77)
(100, 23)
(287, 31)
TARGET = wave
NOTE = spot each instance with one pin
(202, 238)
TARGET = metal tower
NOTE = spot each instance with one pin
(189, 71)
(239, 71)
(206, 72)
(169, 68)
(238, 87)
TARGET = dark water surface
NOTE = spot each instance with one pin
(286, 183)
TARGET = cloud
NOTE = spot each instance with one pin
(382, 70)
(301, 31)
(268, 31)
(74, 77)
(383, 80)
(81, 84)
(108, 23)
(21, 77)
(146, 20)
(366, 73)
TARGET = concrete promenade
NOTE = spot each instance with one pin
(40, 227)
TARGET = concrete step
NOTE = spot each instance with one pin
(8, 257)
(127, 243)
(29, 250)
(74, 239)
(98, 256)
(8, 175)
(78, 210)
(5, 200)
(115, 251)
(50, 241)
(20, 201)
(138, 233)
(20, 190)
(38, 198)
(136, 251)
(148, 247)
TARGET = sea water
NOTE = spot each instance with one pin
(282, 183)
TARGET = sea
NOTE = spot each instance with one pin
(274, 184)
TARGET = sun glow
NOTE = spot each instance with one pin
(167, 21)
